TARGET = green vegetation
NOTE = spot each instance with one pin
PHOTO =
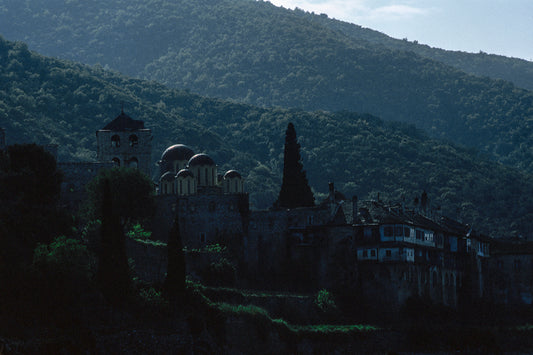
(113, 273)
(210, 248)
(254, 52)
(295, 190)
(517, 71)
(132, 195)
(137, 232)
(324, 300)
(176, 268)
(364, 156)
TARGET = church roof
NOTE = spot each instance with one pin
(177, 152)
(183, 173)
(232, 174)
(124, 122)
(168, 176)
(201, 159)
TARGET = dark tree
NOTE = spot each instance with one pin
(113, 274)
(132, 194)
(295, 190)
(176, 269)
(29, 195)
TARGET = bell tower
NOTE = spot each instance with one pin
(126, 142)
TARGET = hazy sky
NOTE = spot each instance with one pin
(493, 26)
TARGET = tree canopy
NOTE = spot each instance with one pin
(254, 52)
(131, 193)
(295, 190)
(51, 101)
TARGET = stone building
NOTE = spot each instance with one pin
(125, 142)
(212, 208)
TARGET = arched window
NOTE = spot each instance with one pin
(134, 140)
(116, 161)
(115, 141)
(133, 163)
(206, 181)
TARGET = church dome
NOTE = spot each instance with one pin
(177, 152)
(232, 174)
(183, 173)
(201, 159)
(168, 176)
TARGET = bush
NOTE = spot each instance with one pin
(324, 301)
(220, 273)
(64, 257)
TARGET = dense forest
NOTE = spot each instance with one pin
(517, 71)
(52, 101)
(256, 53)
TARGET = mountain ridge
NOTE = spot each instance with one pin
(54, 101)
(256, 53)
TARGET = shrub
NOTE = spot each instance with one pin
(64, 257)
(324, 301)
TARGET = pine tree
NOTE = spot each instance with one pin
(176, 269)
(295, 190)
(113, 270)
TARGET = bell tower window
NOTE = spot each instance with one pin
(134, 140)
(115, 141)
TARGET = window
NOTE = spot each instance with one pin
(516, 265)
(398, 231)
(310, 220)
(115, 141)
(406, 231)
(372, 253)
(133, 140)
(388, 231)
(419, 234)
(388, 253)
(365, 253)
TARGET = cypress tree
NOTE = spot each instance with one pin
(176, 270)
(295, 190)
(113, 274)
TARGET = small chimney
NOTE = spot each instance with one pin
(354, 209)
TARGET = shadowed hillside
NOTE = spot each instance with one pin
(52, 101)
(259, 54)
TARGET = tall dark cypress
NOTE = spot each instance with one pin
(113, 270)
(176, 269)
(295, 190)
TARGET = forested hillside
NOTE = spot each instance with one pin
(55, 101)
(259, 54)
(517, 71)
